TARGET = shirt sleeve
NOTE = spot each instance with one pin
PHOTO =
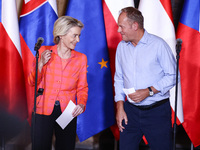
(118, 78)
(82, 86)
(168, 64)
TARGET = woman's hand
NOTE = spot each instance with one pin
(45, 57)
(78, 110)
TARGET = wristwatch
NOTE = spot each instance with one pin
(150, 91)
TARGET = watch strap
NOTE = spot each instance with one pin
(150, 89)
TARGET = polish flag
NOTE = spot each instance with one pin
(111, 10)
(12, 84)
(158, 20)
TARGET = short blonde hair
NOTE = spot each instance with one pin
(62, 25)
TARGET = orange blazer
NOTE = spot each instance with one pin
(63, 84)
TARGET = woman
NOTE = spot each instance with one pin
(62, 73)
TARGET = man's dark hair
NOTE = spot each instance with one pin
(134, 15)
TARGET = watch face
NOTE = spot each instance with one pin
(151, 93)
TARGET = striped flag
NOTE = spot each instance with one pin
(188, 30)
(111, 10)
(158, 20)
(36, 20)
(99, 113)
(12, 84)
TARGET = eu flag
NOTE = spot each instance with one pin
(99, 113)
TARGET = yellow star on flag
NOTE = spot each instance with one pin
(103, 63)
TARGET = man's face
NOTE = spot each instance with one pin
(125, 28)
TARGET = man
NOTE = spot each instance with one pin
(144, 62)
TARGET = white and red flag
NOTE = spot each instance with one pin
(111, 10)
(158, 20)
(12, 83)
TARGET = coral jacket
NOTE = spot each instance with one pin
(60, 83)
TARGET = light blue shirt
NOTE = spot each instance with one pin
(149, 63)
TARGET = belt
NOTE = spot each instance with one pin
(57, 103)
(154, 105)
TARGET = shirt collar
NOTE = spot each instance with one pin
(144, 39)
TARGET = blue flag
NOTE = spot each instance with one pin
(36, 20)
(99, 113)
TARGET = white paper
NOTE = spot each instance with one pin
(64, 119)
(129, 91)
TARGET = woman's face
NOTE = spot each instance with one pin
(70, 39)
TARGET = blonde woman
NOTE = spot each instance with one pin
(62, 73)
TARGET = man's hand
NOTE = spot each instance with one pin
(121, 115)
(139, 95)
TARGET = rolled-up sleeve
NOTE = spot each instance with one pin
(118, 78)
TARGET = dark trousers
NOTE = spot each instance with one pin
(154, 123)
(46, 126)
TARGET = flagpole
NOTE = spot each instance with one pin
(2, 143)
(178, 49)
(115, 145)
(192, 147)
(35, 96)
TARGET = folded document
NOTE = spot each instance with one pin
(65, 118)
(129, 91)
